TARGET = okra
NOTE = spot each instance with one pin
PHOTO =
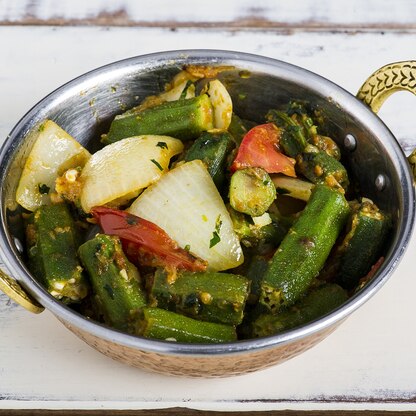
(327, 145)
(182, 119)
(317, 156)
(292, 140)
(208, 296)
(305, 248)
(317, 166)
(52, 242)
(251, 191)
(170, 326)
(315, 304)
(251, 234)
(256, 270)
(213, 150)
(302, 129)
(115, 281)
(367, 229)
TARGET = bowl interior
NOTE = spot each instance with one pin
(85, 106)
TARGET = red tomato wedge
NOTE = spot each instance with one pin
(260, 148)
(144, 242)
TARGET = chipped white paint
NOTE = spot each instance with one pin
(308, 12)
(367, 363)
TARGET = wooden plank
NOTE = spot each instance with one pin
(365, 364)
(264, 14)
(190, 412)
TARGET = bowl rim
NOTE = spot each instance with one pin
(9, 253)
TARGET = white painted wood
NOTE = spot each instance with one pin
(286, 13)
(368, 363)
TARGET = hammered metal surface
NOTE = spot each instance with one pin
(201, 366)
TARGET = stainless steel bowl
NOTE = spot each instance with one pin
(85, 106)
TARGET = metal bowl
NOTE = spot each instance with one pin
(85, 106)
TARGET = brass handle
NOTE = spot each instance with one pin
(15, 292)
(399, 76)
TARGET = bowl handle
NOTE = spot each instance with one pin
(15, 292)
(398, 76)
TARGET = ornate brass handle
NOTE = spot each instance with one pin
(15, 292)
(399, 76)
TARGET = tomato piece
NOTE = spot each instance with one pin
(144, 242)
(260, 149)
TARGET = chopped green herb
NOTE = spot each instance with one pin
(156, 163)
(214, 240)
(216, 234)
(41, 127)
(44, 189)
(242, 96)
(187, 247)
(162, 145)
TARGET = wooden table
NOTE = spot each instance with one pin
(369, 362)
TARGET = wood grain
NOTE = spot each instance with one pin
(191, 412)
(322, 15)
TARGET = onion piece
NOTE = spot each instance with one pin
(296, 188)
(222, 103)
(175, 93)
(122, 169)
(53, 152)
(186, 204)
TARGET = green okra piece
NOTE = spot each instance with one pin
(301, 129)
(361, 247)
(317, 166)
(52, 241)
(166, 325)
(305, 248)
(299, 111)
(327, 145)
(293, 140)
(256, 270)
(317, 157)
(252, 235)
(182, 119)
(213, 150)
(115, 281)
(251, 191)
(206, 296)
(315, 304)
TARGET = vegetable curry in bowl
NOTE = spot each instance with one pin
(194, 225)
